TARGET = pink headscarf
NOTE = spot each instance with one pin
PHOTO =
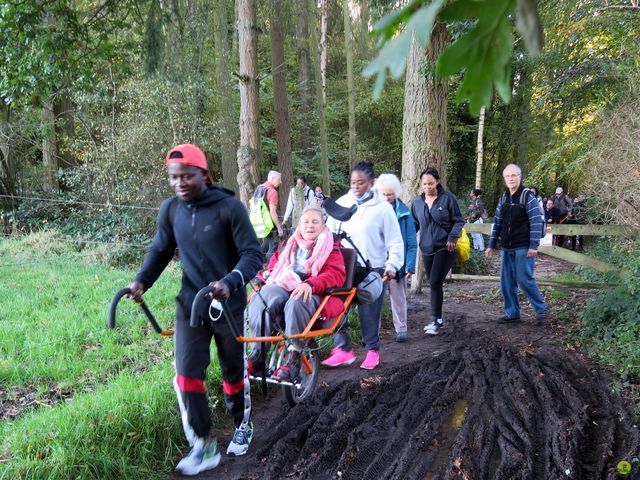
(283, 274)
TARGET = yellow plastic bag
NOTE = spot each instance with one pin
(464, 246)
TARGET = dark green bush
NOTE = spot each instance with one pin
(610, 326)
(476, 265)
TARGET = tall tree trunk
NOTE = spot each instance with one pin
(226, 113)
(348, 50)
(7, 167)
(326, 187)
(176, 63)
(280, 101)
(49, 146)
(480, 148)
(415, 140)
(249, 150)
(437, 103)
(424, 125)
(524, 99)
(234, 42)
(363, 37)
(65, 128)
(304, 76)
(324, 26)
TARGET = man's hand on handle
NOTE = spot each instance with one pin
(220, 290)
(137, 290)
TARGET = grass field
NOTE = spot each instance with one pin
(101, 403)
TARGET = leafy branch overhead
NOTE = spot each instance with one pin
(482, 53)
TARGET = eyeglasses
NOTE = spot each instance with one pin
(514, 175)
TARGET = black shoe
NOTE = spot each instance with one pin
(541, 318)
(505, 319)
(289, 371)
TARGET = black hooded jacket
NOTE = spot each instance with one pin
(216, 242)
(442, 224)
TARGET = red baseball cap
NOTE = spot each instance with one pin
(188, 154)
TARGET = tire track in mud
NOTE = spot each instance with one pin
(482, 408)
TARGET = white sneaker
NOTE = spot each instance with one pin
(433, 327)
(241, 439)
(201, 457)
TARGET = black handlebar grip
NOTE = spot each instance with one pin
(150, 317)
(111, 314)
(193, 321)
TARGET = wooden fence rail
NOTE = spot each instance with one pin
(563, 253)
(574, 229)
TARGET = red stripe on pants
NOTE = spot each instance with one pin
(188, 384)
(232, 388)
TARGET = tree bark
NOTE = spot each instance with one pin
(280, 101)
(7, 167)
(437, 103)
(480, 148)
(49, 146)
(226, 113)
(348, 50)
(363, 37)
(415, 139)
(304, 76)
(424, 125)
(524, 99)
(65, 129)
(249, 149)
(326, 187)
(324, 25)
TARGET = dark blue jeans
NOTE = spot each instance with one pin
(516, 270)
(370, 316)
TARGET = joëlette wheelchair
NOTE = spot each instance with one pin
(318, 326)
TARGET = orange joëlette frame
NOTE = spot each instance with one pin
(308, 332)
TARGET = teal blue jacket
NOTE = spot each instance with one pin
(408, 230)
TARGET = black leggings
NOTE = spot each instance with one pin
(436, 267)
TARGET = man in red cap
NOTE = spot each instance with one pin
(218, 247)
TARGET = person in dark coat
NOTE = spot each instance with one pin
(518, 225)
(439, 223)
(218, 247)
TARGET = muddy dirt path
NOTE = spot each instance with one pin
(479, 401)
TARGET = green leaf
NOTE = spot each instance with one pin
(469, 9)
(530, 27)
(483, 53)
(388, 24)
(393, 55)
(503, 84)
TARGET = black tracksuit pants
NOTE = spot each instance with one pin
(192, 355)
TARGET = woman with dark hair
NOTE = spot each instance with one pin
(477, 213)
(374, 230)
(439, 224)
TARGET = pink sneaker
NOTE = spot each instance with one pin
(339, 357)
(371, 361)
